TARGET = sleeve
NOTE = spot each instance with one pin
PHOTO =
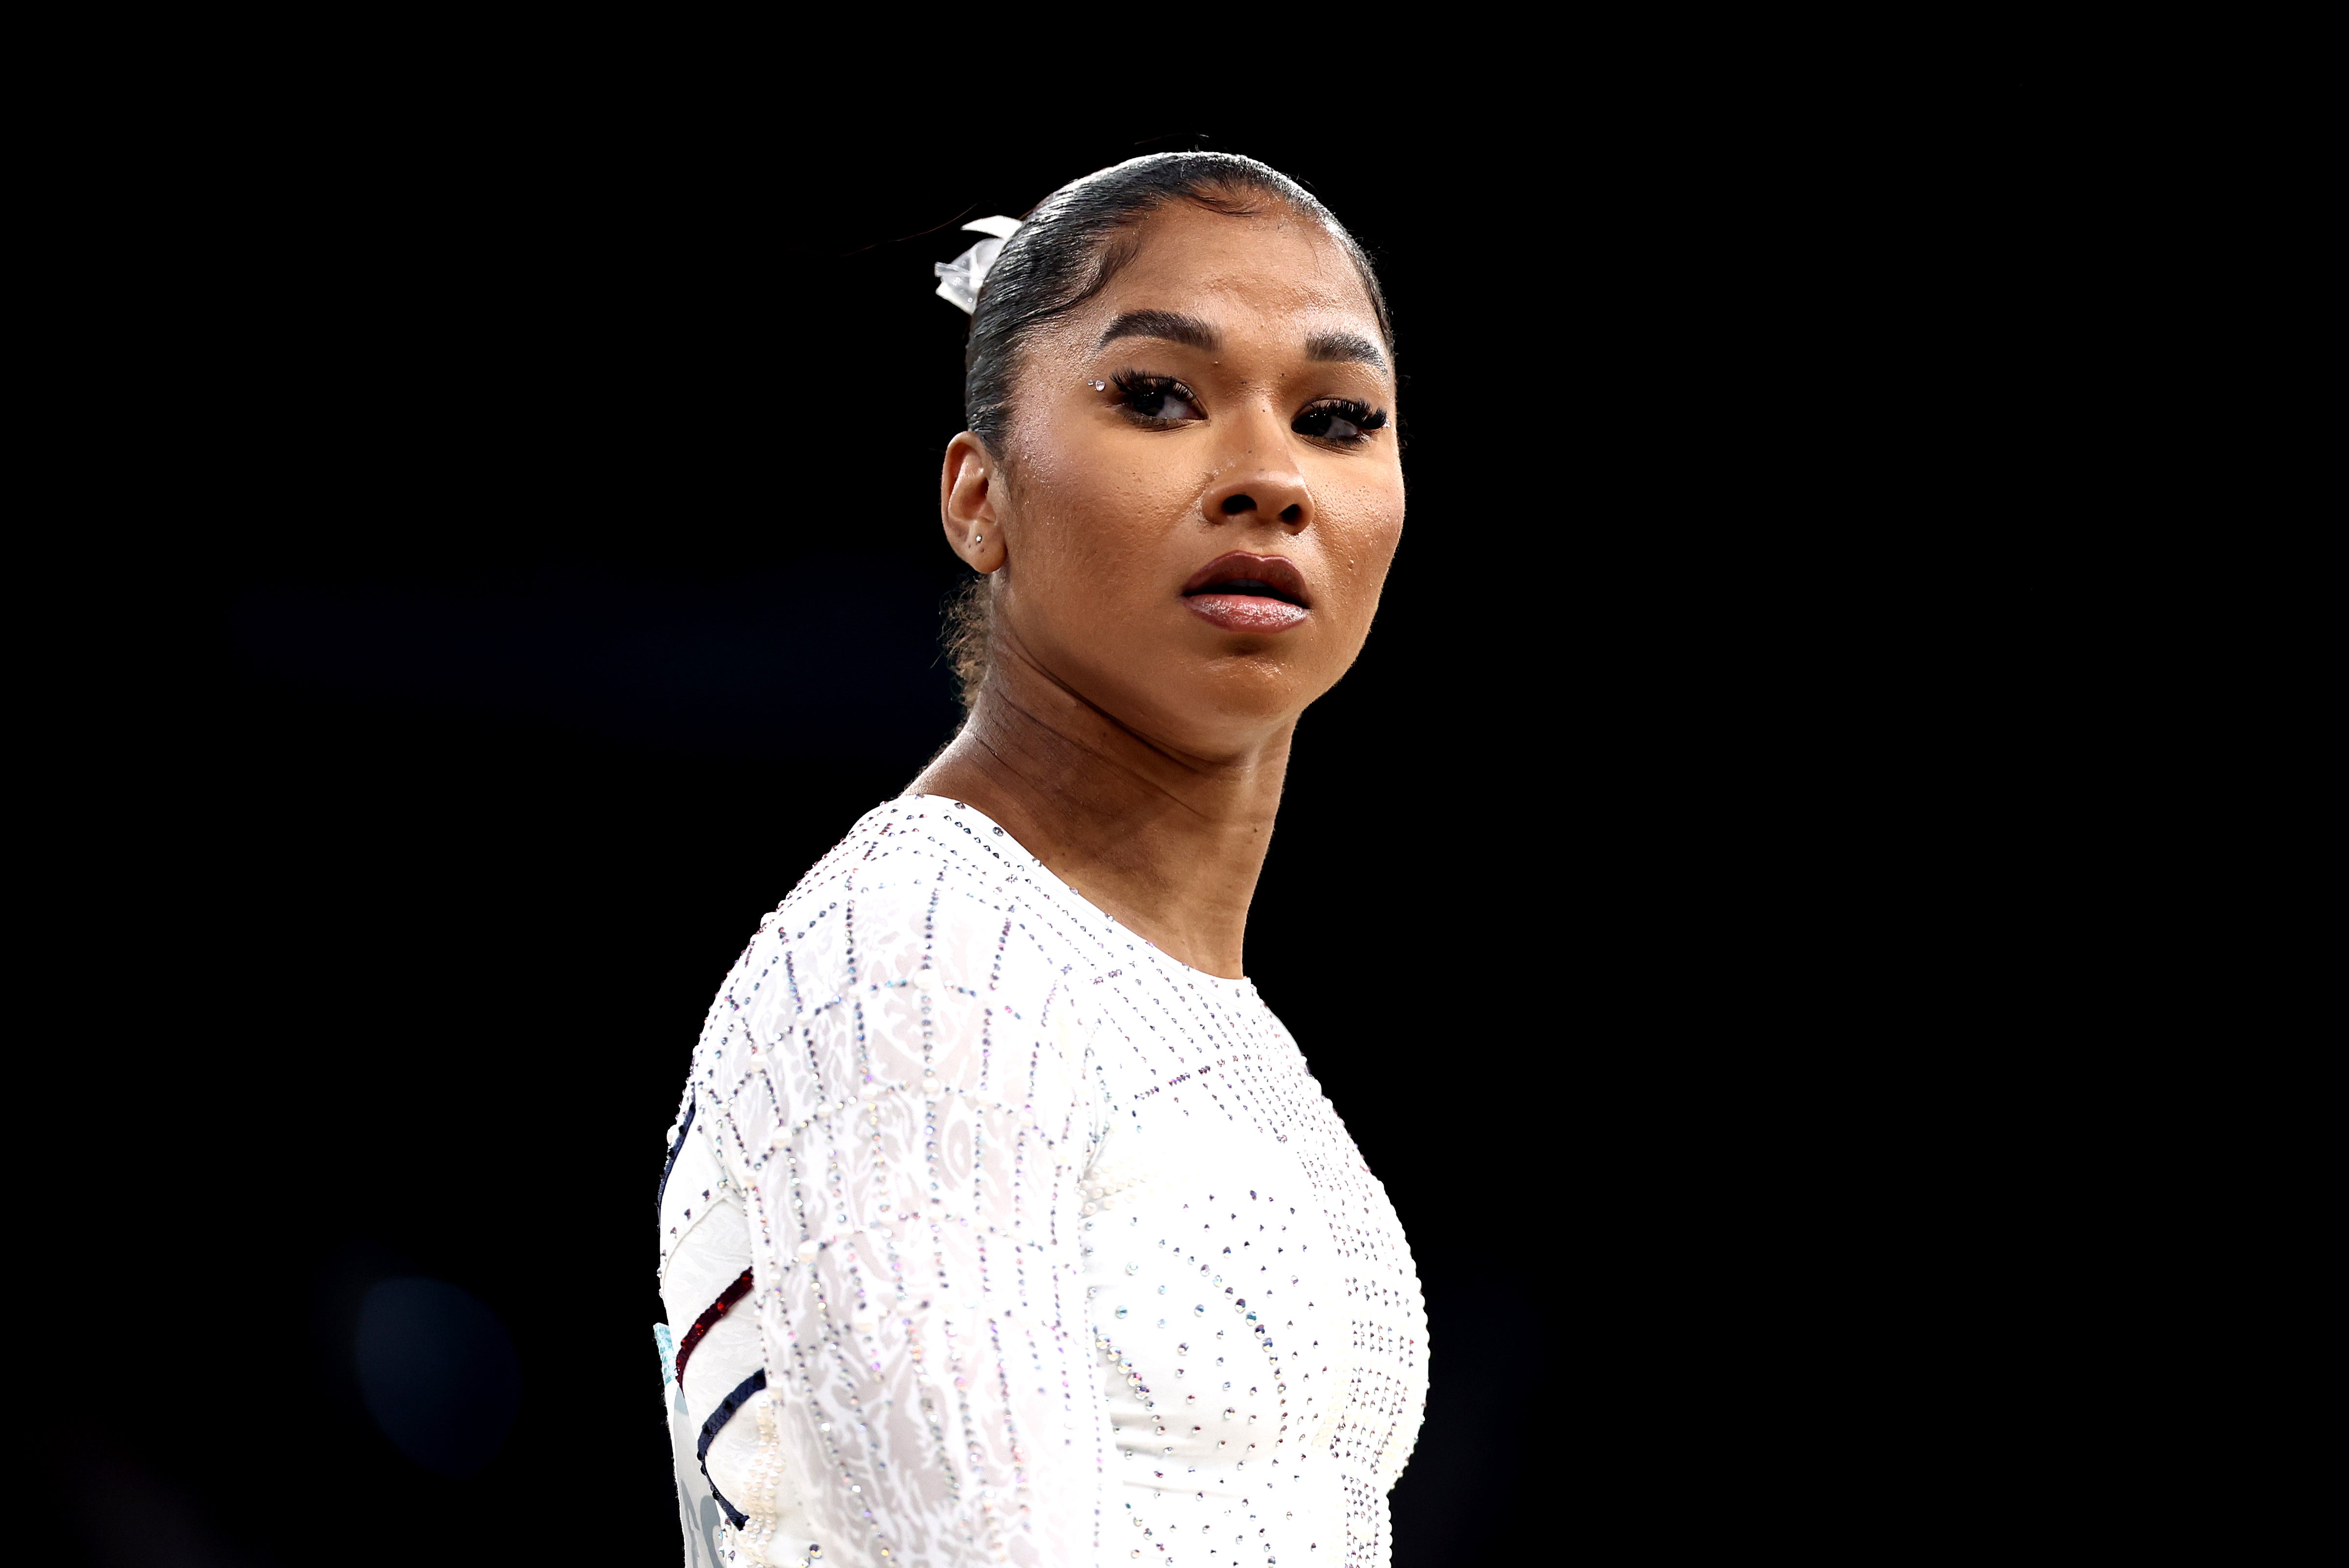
(907, 1122)
(709, 1350)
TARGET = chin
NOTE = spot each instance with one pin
(1234, 700)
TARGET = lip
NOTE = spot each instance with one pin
(1271, 596)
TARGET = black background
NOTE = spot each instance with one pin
(519, 562)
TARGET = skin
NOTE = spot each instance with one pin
(1136, 748)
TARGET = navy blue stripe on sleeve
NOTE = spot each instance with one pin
(712, 1427)
(674, 1151)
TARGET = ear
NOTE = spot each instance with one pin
(966, 498)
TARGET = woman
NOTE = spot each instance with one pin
(1003, 1222)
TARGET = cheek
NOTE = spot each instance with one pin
(1362, 535)
(1100, 511)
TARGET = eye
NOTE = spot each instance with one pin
(1339, 421)
(1158, 399)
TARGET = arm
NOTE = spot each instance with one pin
(906, 1125)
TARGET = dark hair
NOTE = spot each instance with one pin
(1066, 251)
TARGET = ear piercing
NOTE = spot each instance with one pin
(977, 539)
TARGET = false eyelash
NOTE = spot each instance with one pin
(1137, 383)
(1361, 416)
(1365, 420)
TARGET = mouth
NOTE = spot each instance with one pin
(1244, 593)
(1243, 575)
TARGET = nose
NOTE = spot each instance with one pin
(1268, 493)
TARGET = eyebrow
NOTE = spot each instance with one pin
(1325, 348)
(1174, 327)
(1339, 346)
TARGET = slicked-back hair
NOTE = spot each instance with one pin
(1081, 236)
(1066, 251)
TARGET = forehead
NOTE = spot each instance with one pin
(1278, 270)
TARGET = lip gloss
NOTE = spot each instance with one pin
(1247, 611)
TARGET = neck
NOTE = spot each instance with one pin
(1169, 843)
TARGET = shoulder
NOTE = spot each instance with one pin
(922, 922)
(921, 883)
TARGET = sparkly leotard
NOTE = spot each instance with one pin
(991, 1234)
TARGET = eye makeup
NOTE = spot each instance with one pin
(1166, 403)
(1159, 401)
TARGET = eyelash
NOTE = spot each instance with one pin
(1361, 416)
(1134, 386)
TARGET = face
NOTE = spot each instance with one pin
(1201, 492)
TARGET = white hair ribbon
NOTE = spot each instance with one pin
(959, 280)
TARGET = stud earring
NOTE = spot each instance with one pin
(977, 539)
